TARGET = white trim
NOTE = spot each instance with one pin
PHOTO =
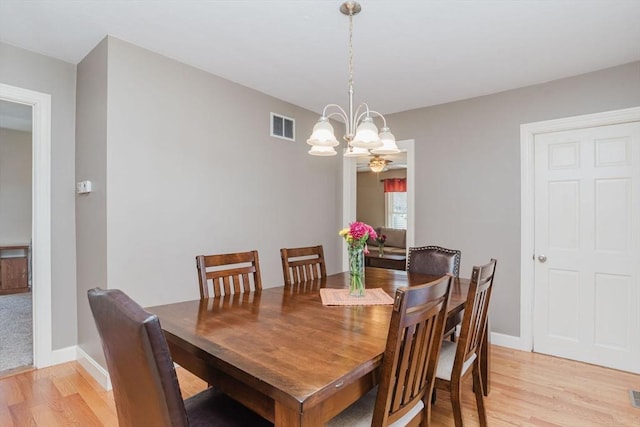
(349, 193)
(508, 341)
(63, 355)
(349, 199)
(41, 218)
(93, 368)
(409, 146)
(528, 133)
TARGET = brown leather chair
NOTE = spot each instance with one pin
(229, 273)
(145, 385)
(457, 360)
(302, 264)
(409, 362)
(434, 260)
(437, 261)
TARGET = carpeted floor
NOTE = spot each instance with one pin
(16, 331)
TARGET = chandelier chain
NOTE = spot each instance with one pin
(350, 48)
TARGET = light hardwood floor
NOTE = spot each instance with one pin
(527, 390)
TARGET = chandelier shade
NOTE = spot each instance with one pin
(355, 152)
(388, 141)
(323, 134)
(361, 133)
(322, 150)
(366, 135)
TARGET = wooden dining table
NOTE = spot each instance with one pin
(281, 352)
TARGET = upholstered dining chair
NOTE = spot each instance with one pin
(434, 260)
(229, 273)
(403, 396)
(145, 385)
(437, 261)
(457, 360)
(302, 264)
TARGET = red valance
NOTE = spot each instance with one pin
(395, 185)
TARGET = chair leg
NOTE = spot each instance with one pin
(456, 402)
(426, 422)
(479, 392)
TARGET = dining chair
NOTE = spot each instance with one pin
(459, 359)
(437, 261)
(302, 264)
(229, 273)
(403, 396)
(145, 385)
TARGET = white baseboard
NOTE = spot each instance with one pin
(94, 368)
(508, 341)
(61, 355)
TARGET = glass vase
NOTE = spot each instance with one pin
(356, 270)
(381, 250)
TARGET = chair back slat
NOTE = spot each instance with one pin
(476, 313)
(225, 274)
(302, 264)
(412, 349)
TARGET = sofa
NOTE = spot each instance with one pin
(396, 243)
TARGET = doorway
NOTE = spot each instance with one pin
(16, 305)
(41, 217)
(349, 193)
(580, 255)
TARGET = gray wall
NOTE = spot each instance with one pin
(190, 169)
(370, 195)
(468, 160)
(15, 186)
(91, 212)
(40, 73)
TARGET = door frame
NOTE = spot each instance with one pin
(528, 133)
(41, 217)
(349, 193)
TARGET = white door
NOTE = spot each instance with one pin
(587, 245)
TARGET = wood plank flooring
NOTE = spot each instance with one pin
(527, 390)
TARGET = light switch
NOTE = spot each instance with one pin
(83, 187)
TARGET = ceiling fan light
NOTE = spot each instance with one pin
(323, 134)
(322, 150)
(355, 152)
(388, 143)
(377, 164)
(366, 135)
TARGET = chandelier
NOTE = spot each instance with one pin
(361, 134)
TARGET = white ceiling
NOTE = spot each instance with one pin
(407, 54)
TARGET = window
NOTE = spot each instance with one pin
(396, 210)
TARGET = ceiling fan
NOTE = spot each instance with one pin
(378, 163)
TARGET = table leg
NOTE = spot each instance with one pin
(286, 416)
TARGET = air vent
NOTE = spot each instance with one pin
(283, 127)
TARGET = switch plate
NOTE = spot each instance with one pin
(83, 187)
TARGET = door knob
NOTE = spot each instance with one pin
(542, 258)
